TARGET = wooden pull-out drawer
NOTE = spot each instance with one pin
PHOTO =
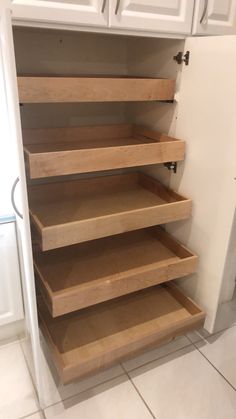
(70, 212)
(93, 89)
(78, 276)
(63, 151)
(86, 341)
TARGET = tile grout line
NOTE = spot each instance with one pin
(6, 345)
(110, 379)
(84, 391)
(220, 373)
(106, 381)
(32, 414)
(30, 374)
(214, 333)
(18, 343)
(138, 392)
(159, 357)
(113, 378)
(41, 411)
(44, 416)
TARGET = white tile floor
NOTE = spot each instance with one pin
(193, 377)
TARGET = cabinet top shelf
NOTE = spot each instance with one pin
(56, 89)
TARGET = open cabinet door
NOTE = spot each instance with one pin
(8, 72)
(207, 121)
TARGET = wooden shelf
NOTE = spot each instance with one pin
(70, 212)
(63, 151)
(78, 276)
(93, 89)
(84, 342)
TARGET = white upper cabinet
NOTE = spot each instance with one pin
(215, 17)
(177, 17)
(79, 12)
(164, 16)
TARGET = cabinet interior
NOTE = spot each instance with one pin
(102, 212)
(63, 53)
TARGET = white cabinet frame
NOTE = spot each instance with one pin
(10, 94)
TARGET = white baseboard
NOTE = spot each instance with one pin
(12, 332)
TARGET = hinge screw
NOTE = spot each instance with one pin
(171, 166)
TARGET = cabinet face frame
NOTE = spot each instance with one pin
(150, 18)
(215, 18)
(22, 225)
(60, 12)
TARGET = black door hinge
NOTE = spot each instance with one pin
(182, 58)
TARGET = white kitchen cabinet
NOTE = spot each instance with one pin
(164, 16)
(170, 17)
(208, 172)
(215, 17)
(173, 17)
(11, 307)
(79, 12)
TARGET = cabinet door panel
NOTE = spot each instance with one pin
(11, 307)
(206, 120)
(79, 12)
(168, 16)
(219, 17)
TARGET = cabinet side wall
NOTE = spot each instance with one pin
(154, 58)
(52, 52)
